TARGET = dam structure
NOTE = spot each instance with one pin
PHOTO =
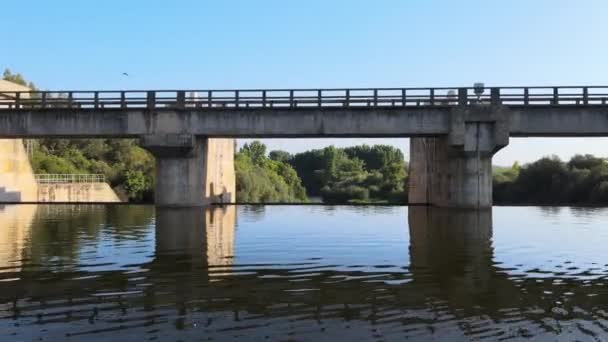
(454, 131)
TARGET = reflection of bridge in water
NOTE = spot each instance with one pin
(451, 288)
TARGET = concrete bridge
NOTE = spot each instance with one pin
(454, 131)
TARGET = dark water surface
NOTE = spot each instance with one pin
(314, 273)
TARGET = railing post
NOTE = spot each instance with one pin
(347, 102)
(264, 98)
(375, 97)
(403, 97)
(210, 98)
(291, 104)
(123, 102)
(236, 98)
(181, 100)
(319, 97)
(96, 100)
(526, 96)
(43, 99)
(555, 96)
(17, 100)
(432, 97)
(495, 96)
(585, 96)
(151, 100)
(463, 97)
(70, 99)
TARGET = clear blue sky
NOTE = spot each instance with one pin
(241, 44)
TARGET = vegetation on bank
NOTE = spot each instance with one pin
(354, 174)
(261, 179)
(127, 167)
(582, 180)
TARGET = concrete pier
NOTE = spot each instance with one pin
(456, 170)
(192, 171)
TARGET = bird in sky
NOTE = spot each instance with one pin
(125, 74)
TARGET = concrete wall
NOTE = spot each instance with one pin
(17, 182)
(76, 192)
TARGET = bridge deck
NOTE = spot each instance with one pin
(382, 112)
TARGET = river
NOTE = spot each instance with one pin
(303, 273)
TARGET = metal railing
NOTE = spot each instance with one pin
(305, 98)
(69, 178)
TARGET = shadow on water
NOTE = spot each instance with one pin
(187, 283)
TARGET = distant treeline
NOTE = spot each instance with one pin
(261, 179)
(353, 174)
(337, 175)
(582, 180)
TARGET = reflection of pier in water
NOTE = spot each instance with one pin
(450, 282)
(15, 223)
(202, 237)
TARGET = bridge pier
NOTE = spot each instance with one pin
(455, 170)
(192, 171)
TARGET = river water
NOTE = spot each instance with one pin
(303, 273)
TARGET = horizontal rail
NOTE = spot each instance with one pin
(304, 98)
(69, 178)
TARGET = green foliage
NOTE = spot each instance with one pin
(582, 180)
(48, 163)
(280, 156)
(354, 174)
(136, 184)
(255, 151)
(260, 179)
(128, 168)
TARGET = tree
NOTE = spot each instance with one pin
(7, 75)
(136, 184)
(280, 156)
(353, 174)
(259, 179)
(256, 151)
(582, 180)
